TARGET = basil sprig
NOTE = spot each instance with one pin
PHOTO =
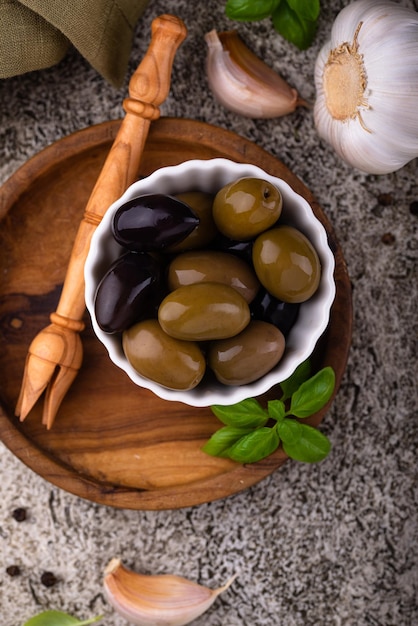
(295, 20)
(247, 436)
(250, 11)
(58, 618)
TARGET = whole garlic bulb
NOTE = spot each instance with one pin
(366, 80)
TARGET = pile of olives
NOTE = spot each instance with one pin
(207, 285)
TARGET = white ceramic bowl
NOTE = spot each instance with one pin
(210, 176)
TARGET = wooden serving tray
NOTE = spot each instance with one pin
(113, 443)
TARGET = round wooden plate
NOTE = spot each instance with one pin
(112, 442)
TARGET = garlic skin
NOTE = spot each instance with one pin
(366, 79)
(163, 600)
(242, 82)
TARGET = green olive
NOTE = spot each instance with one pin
(203, 311)
(167, 361)
(287, 264)
(246, 207)
(213, 266)
(248, 356)
(205, 231)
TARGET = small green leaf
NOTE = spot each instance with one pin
(292, 384)
(245, 414)
(223, 439)
(92, 620)
(312, 445)
(276, 409)
(255, 446)
(298, 31)
(313, 394)
(58, 618)
(305, 9)
(250, 11)
(290, 431)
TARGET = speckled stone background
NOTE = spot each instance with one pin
(333, 544)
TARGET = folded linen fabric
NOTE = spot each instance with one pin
(35, 34)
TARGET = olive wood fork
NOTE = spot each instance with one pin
(55, 354)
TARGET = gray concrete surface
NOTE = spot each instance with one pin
(332, 544)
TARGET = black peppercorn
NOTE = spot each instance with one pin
(413, 207)
(13, 570)
(388, 239)
(385, 199)
(19, 514)
(48, 579)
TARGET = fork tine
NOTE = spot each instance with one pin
(36, 376)
(61, 381)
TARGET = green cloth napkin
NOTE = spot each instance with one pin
(35, 34)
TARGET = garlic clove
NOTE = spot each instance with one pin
(161, 600)
(243, 83)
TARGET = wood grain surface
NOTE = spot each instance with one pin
(112, 442)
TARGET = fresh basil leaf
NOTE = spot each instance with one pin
(313, 394)
(223, 439)
(292, 384)
(298, 31)
(312, 445)
(255, 446)
(249, 11)
(305, 9)
(276, 409)
(58, 618)
(290, 431)
(245, 414)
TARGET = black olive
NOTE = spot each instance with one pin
(243, 249)
(153, 222)
(130, 291)
(267, 308)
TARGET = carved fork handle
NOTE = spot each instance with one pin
(148, 88)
